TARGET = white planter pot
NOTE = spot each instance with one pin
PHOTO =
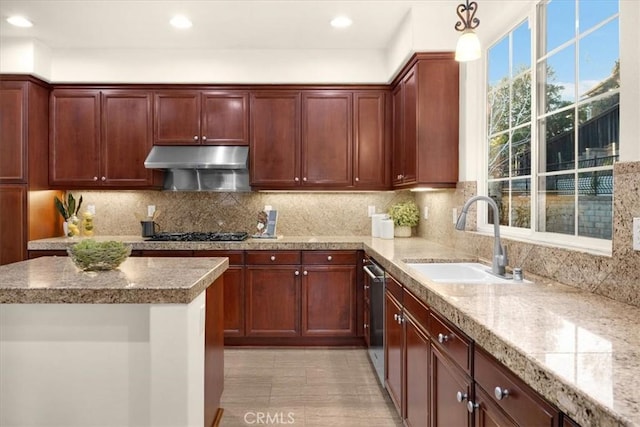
(402, 231)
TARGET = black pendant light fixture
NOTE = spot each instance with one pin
(468, 47)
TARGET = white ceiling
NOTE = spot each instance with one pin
(238, 24)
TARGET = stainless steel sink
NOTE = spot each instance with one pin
(459, 272)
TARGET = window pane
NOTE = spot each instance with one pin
(499, 62)
(557, 73)
(598, 132)
(499, 110)
(499, 192)
(561, 18)
(499, 156)
(521, 48)
(599, 61)
(521, 203)
(521, 151)
(521, 100)
(557, 203)
(595, 204)
(556, 135)
(593, 12)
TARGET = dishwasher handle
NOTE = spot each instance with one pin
(374, 276)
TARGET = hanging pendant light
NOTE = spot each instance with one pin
(468, 47)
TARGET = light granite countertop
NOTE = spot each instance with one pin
(135, 281)
(579, 350)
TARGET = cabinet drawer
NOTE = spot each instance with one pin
(416, 309)
(329, 257)
(451, 340)
(393, 286)
(273, 257)
(235, 257)
(520, 402)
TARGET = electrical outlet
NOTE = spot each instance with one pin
(371, 210)
(425, 212)
(151, 209)
(455, 215)
(91, 209)
(636, 234)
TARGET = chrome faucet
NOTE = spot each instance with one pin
(499, 252)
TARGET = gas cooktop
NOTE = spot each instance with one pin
(199, 237)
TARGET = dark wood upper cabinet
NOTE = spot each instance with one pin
(275, 140)
(13, 123)
(425, 122)
(195, 117)
(100, 139)
(327, 148)
(371, 161)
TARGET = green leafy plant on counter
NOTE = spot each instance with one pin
(405, 214)
(67, 207)
(90, 255)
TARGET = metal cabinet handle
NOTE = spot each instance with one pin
(95, 178)
(442, 338)
(357, 179)
(329, 258)
(104, 178)
(273, 258)
(304, 179)
(204, 138)
(305, 273)
(297, 273)
(367, 286)
(461, 397)
(195, 137)
(296, 179)
(471, 406)
(366, 325)
(395, 316)
(501, 393)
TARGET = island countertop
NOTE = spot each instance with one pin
(137, 280)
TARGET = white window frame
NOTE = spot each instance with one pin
(528, 235)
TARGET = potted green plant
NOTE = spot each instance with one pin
(404, 215)
(68, 209)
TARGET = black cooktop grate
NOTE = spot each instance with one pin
(199, 237)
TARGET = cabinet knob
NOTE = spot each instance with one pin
(471, 406)
(104, 178)
(396, 316)
(329, 258)
(305, 273)
(195, 137)
(399, 177)
(357, 179)
(273, 258)
(442, 338)
(304, 179)
(296, 179)
(461, 397)
(501, 393)
(95, 178)
(366, 325)
(204, 138)
(367, 286)
(297, 273)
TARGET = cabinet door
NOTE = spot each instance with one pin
(328, 300)
(410, 127)
(275, 140)
(397, 167)
(126, 138)
(177, 118)
(265, 284)
(13, 214)
(225, 118)
(393, 351)
(74, 149)
(446, 381)
(13, 125)
(234, 302)
(370, 165)
(417, 375)
(327, 139)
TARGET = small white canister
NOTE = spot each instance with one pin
(386, 231)
(376, 224)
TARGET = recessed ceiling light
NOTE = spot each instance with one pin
(341, 22)
(19, 21)
(180, 21)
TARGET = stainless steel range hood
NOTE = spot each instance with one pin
(201, 167)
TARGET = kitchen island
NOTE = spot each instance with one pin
(137, 346)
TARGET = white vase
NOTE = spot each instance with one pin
(402, 231)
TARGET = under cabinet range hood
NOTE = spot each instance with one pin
(201, 167)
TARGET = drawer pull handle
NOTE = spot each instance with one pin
(273, 258)
(329, 258)
(461, 397)
(297, 273)
(471, 406)
(442, 338)
(501, 393)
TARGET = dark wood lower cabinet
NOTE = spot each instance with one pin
(417, 374)
(393, 350)
(234, 301)
(13, 228)
(213, 351)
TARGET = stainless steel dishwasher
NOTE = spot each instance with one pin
(374, 286)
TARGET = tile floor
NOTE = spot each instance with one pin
(303, 387)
